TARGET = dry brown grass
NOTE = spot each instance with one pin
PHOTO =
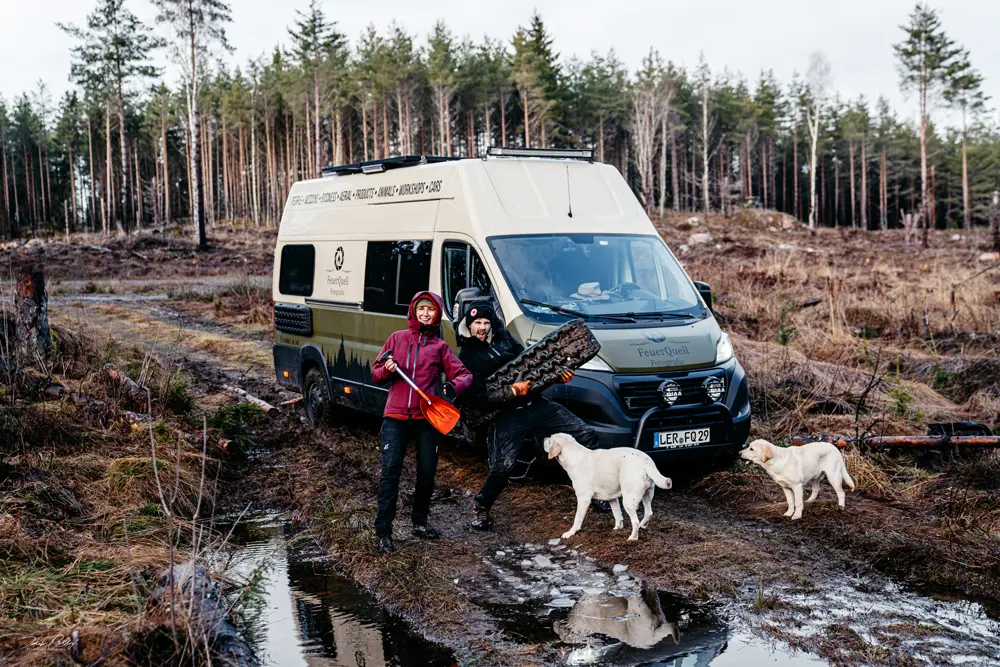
(82, 520)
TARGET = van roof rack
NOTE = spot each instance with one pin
(551, 153)
(378, 166)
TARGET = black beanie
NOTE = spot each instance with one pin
(479, 311)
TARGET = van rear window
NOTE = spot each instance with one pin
(394, 272)
(298, 263)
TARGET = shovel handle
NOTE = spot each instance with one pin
(411, 383)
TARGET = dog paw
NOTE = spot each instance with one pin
(568, 534)
(618, 526)
(633, 538)
(796, 516)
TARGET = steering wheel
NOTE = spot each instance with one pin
(625, 289)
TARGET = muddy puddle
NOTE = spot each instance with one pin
(300, 612)
(553, 596)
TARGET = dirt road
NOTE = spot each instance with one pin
(719, 546)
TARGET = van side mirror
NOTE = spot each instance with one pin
(706, 293)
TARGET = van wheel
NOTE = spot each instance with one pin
(319, 406)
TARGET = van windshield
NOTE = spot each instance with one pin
(602, 277)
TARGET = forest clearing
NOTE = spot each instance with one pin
(165, 498)
(84, 520)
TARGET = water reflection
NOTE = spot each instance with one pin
(305, 614)
(649, 628)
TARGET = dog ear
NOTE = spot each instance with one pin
(766, 451)
(555, 449)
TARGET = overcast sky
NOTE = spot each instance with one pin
(741, 35)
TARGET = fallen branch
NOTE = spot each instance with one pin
(291, 401)
(208, 616)
(130, 386)
(982, 441)
(249, 398)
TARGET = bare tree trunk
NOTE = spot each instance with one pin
(813, 160)
(527, 118)
(663, 163)
(704, 150)
(503, 120)
(675, 186)
(854, 206)
(924, 189)
(107, 166)
(795, 173)
(197, 203)
(364, 126)
(166, 170)
(600, 138)
(966, 212)
(883, 192)
(864, 184)
(386, 152)
(126, 178)
(318, 162)
(400, 131)
(995, 220)
(72, 185)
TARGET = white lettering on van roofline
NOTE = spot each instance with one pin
(381, 193)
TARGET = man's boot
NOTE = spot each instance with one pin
(385, 545)
(425, 532)
(482, 520)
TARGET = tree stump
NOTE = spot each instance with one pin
(31, 315)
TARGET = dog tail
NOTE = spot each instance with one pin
(847, 478)
(656, 477)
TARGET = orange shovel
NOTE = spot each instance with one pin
(441, 414)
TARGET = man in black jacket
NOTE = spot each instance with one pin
(485, 346)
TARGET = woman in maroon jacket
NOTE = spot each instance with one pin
(423, 355)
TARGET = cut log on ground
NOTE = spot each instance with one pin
(133, 389)
(906, 441)
(200, 609)
(249, 398)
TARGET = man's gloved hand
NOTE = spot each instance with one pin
(448, 391)
(521, 388)
(565, 374)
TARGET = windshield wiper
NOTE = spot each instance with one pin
(576, 313)
(660, 314)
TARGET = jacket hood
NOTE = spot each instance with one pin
(414, 325)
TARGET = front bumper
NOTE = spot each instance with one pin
(597, 398)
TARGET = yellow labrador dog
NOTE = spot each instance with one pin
(608, 474)
(794, 467)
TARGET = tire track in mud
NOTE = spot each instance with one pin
(766, 580)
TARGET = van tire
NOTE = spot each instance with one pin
(319, 405)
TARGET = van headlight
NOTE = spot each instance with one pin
(724, 349)
(597, 364)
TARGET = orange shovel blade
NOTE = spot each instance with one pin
(441, 414)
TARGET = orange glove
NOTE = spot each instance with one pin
(566, 375)
(520, 388)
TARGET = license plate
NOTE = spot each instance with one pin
(677, 439)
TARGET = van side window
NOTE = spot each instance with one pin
(298, 263)
(394, 272)
(461, 267)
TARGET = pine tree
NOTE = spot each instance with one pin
(316, 44)
(111, 52)
(927, 58)
(441, 74)
(198, 24)
(964, 91)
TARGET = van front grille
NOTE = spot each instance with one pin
(293, 318)
(642, 395)
(715, 419)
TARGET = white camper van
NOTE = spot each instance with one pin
(548, 236)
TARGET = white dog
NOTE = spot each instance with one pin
(794, 467)
(607, 474)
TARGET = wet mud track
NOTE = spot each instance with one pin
(704, 581)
